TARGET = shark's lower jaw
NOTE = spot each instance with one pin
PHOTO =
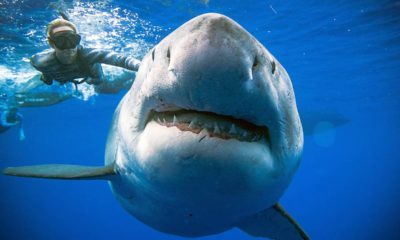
(214, 125)
(186, 161)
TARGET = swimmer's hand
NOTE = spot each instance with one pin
(46, 80)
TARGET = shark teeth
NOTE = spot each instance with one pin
(192, 123)
(213, 125)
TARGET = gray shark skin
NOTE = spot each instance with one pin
(208, 137)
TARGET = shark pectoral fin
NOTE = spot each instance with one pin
(274, 223)
(62, 171)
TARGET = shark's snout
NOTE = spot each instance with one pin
(217, 45)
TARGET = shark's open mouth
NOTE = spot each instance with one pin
(215, 125)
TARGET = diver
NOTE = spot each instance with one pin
(10, 118)
(68, 61)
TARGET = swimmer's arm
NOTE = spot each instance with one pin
(35, 62)
(111, 58)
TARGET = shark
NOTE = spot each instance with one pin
(208, 138)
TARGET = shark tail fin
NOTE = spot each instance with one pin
(63, 171)
(274, 223)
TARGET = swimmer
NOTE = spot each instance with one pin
(68, 61)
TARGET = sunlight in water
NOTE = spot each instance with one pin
(108, 27)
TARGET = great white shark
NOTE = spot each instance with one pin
(208, 137)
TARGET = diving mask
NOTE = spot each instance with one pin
(65, 40)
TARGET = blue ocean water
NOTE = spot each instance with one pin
(344, 61)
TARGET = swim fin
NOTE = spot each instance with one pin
(62, 171)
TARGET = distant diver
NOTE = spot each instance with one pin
(68, 61)
(10, 118)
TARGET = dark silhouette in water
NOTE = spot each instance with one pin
(10, 118)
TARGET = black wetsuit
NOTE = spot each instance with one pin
(87, 65)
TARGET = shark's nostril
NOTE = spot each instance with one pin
(256, 63)
(169, 56)
(273, 67)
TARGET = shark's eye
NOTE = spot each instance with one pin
(273, 66)
(152, 54)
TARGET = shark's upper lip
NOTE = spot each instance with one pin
(216, 125)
